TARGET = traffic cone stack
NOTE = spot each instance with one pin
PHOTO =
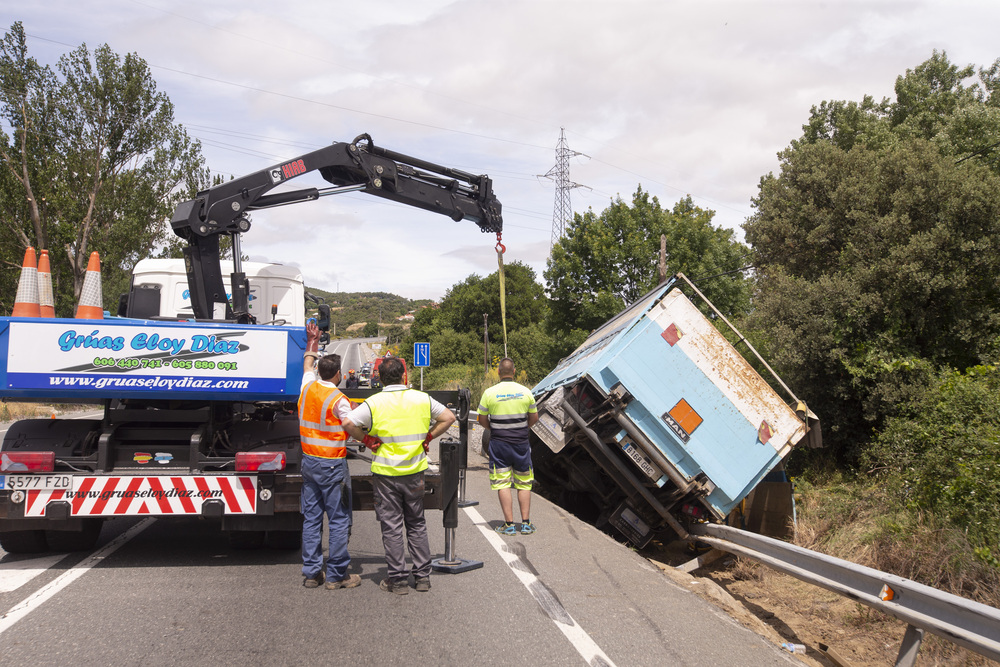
(90, 307)
(46, 303)
(26, 301)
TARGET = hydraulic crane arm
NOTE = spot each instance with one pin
(357, 166)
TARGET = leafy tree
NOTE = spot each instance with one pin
(455, 328)
(394, 334)
(876, 251)
(93, 161)
(942, 453)
(465, 303)
(607, 261)
(370, 330)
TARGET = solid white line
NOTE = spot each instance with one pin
(34, 600)
(576, 635)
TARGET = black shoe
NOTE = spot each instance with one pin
(398, 587)
(422, 584)
(314, 581)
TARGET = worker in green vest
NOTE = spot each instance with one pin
(398, 424)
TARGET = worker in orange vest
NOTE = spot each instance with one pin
(326, 481)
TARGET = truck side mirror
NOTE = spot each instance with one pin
(323, 319)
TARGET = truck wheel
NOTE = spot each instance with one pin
(23, 541)
(284, 539)
(75, 540)
(246, 539)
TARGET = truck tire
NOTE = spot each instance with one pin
(284, 539)
(246, 539)
(23, 541)
(75, 540)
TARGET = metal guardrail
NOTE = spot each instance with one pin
(969, 624)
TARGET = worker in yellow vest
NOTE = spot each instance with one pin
(508, 410)
(326, 481)
(398, 424)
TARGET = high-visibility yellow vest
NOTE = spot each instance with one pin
(401, 420)
(319, 427)
(508, 405)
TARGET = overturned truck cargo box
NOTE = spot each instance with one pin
(657, 419)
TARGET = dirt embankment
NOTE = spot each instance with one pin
(834, 629)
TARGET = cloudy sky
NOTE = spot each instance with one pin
(683, 97)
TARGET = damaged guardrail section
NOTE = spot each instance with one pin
(969, 624)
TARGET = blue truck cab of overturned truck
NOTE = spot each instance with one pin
(657, 419)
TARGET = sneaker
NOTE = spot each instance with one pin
(350, 581)
(506, 529)
(527, 528)
(422, 584)
(315, 580)
(398, 587)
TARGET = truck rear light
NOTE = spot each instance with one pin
(259, 461)
(693, 511)
(27, 461)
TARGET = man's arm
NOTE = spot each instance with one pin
(532, 418)
(443, 423)
(354, 430)
(312, 346)
(483, 420)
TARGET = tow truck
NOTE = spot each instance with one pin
(199, 414)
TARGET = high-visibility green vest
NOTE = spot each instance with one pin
(401, 420)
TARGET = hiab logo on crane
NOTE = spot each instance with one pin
(288, 170)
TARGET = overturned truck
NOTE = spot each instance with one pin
(658, 419)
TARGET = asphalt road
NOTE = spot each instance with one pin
(353, 353)
(176, 593)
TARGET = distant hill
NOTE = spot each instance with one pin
(348, 308)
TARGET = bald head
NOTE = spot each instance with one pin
(506, 368)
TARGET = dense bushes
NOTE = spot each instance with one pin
(942, 454)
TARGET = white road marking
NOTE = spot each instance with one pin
(33, 601)
(17, 573)
(576, 635)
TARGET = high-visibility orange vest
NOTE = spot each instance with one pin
(319, 427)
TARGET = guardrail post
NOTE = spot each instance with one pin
(911, 645)
(449, 451)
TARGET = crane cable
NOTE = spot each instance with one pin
(501, 249)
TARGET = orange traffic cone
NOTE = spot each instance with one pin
(46, 303)
(90, 307)
(26, 301)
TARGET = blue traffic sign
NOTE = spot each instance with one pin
(421, 354)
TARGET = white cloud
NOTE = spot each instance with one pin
(684, 97)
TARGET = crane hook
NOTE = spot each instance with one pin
(500, 247)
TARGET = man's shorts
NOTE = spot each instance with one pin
(510, 465)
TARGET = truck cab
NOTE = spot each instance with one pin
(160, 291)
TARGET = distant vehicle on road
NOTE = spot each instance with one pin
(379, 360)
(365, 376)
